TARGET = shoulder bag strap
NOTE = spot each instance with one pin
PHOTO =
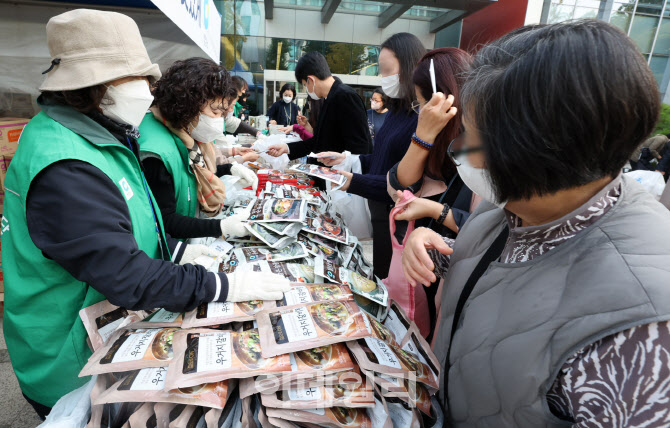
(493, 253)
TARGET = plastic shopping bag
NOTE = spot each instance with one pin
(280, 163)
(413, 300)
(652, 181)
(353, 208)
(72, 410)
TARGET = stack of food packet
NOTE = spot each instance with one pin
(333, 352)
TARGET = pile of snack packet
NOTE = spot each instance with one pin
(334, 352)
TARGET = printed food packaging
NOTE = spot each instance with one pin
(166, 413)
(412, 393)
(379, 415)
(349, 395)
(270, 239)
(335, 417)
(378, 330)
(402, 414)
(214, 313)
(309, 326)
(375, 355)
(159, 319)
(316, 248)
(102, 320)
(417, 345)
(132, 350)
(270, 210)
(330, 230)
(269, 384)
(292, 251)
(188, 417)
(359, 284)
(216, 418)
(148, 385)
(97, 411)
(286, 228)
(204, 355)
(144, 417)
(292, 271)
(309, 293)
(323, 172)
(397, 321)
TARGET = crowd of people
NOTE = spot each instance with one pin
(547, 299)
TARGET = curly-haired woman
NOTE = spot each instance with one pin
(177, 151)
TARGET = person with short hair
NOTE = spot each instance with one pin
(377, 112)
(176, 147)
(285, 111)
(342, 121)
(233, 123)
(556, 309)
(80, 225)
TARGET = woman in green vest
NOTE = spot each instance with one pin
(176, 137)
(80, 224)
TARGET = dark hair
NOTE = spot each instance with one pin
(187, 86)
(559, 106)
(287, 87)
(379, 91)
(312, 64)
(84, 100)
(239, 83)
(408, 49)
(451, 64)
(230, 95)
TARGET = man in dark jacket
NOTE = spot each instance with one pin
(342, 122)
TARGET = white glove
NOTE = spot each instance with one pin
(193, 252)
(233, 226)
(247, 176)
(244, 286)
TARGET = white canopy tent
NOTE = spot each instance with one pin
(24, 54)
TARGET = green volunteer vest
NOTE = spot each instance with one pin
(45, 336)
(157, 140)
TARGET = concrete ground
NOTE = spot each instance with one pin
(15, 412)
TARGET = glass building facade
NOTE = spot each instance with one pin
(647, 22)
(246, 51)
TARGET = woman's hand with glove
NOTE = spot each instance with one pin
(193, 252)
(245, 286)
(233, 226)
(248, 178)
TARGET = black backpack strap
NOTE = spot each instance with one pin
(493, 253)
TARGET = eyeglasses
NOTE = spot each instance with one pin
(416, 106)
(457, 149)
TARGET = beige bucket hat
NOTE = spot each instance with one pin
(90, 47)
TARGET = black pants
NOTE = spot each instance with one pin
(41, 410)
(382, 251)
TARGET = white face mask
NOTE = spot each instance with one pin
(287, 100)
(477, 179)
(208, 129)
(376, 105)
(391, 85)
(312, 95)
(127, 103)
